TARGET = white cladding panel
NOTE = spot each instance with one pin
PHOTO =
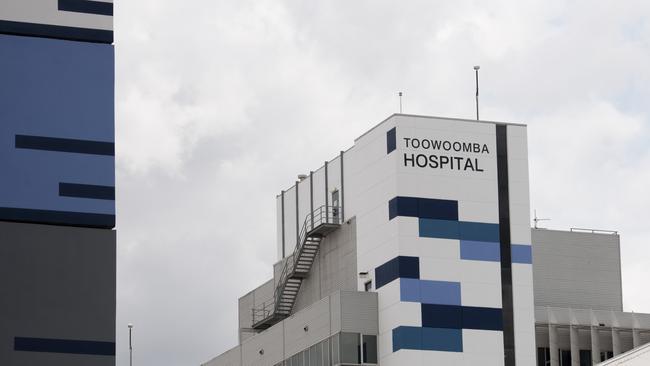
(47, 12)
(290, 233)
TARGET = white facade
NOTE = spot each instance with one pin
(429, 231)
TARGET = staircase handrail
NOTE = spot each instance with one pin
(321, 215)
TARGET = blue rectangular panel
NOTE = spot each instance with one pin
(522, 253)
(479, 231)
(391, 140)
(428, 339)
(56, 126)
(442, 339)
(480, 251)
(429, 208)
(482, 318)
(423, 208)
(64, 346)
(430, 292)
(442, 316)
(398, 267)
(443, 229)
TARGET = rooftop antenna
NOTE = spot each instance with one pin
(537, 219)
(400, 101)
(476, 68)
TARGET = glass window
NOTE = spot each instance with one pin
(585, 357)
(368, 286)
(369, 349)
(335, 350)
(350, 348)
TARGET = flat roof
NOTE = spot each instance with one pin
(436, 117)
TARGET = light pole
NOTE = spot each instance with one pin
(476, 68)
(130, 346)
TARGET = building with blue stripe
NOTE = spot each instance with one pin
(414, 247)
(57, 192)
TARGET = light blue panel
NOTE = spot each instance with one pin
(444, 229)
(480, 251)
(430, 292)
(57, 89)
(522, 253)
(409, 289)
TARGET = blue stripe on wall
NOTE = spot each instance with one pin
(423, 208)
(56, 31)
(57, 217)
(522, 253)
(398, 267)
(65, 145)
(461, 317)
(480, 251)
(428, 339)
(87, 7)
(391, 140)
(446, 229)
(430, 292)
(479, 231)
(64, 346)
(87, 191)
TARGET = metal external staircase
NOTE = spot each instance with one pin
(297, 266)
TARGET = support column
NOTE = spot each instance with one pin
(595, 345)
(636, 338)
(616, 342)
(575, 348)
(552, 345)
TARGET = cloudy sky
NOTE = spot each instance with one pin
(220, 104)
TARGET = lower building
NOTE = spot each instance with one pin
(413, 247)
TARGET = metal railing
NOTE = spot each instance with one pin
(593, 231)
(323, 215)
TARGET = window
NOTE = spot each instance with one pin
(585, 357)
(369, 349)
(335, 203)
(565, 357)
(543, 356)
(367, 286)
(350, 348)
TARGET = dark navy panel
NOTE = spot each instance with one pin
(87, 191)
(461, 317)
(443, 229)
(56, 31)
(429, 339)
(480, 251)
(402, 206)
(56, 97)
(522, 253)
(57, 217)
(423, 208)
(429, 208)
(409, 267)
(442, 316)
(404, 267)
(65, 145)
(64, 346)
(391, 140)
(87, 7)
(482, 318)
(479, 231)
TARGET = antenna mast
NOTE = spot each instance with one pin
(400, 101)
(476, 68)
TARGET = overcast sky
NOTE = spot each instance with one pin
(220, 104)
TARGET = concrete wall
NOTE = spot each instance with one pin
(57, 283)
(348, 311)
(577, 270)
